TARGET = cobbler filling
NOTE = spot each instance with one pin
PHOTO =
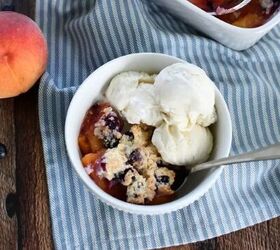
(123, 163)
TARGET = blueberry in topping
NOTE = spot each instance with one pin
(164, 179)
(109, 129)
(134, 156)
(3, 151)
(103, 163)
(113, 122)
(120, 176)
(130, 135)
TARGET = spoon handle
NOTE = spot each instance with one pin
(268, 153)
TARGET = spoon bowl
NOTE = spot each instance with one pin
(271, 152)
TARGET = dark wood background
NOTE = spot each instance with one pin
(24, 215)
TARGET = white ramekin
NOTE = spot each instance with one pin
(227, 34)
(196, 185)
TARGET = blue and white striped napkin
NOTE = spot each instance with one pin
(84, 34)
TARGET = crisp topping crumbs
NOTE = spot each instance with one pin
(136, 192)
(129, 177)
(142, 135)
(134, 164)
(115, 162)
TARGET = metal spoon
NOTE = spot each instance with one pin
(268, 153)
(222, 11)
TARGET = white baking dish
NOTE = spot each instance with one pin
(227, 34)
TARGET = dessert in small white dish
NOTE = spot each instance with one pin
(87, 95)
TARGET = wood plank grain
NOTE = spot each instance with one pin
(26, 7)
(33, 216)
(263, 236)
(207, 244)
(8, 224)
(273, 227)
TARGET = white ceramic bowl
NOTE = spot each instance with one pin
(227, 34)
(196, 185)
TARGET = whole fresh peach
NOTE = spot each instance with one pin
(23, 53)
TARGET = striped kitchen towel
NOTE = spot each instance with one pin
(84, 34)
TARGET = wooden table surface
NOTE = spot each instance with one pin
(24, 208)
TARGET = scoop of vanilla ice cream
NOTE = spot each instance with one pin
(186, 96)
(183, 147)
(132, 93)
(142, 106)
(123, 85)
